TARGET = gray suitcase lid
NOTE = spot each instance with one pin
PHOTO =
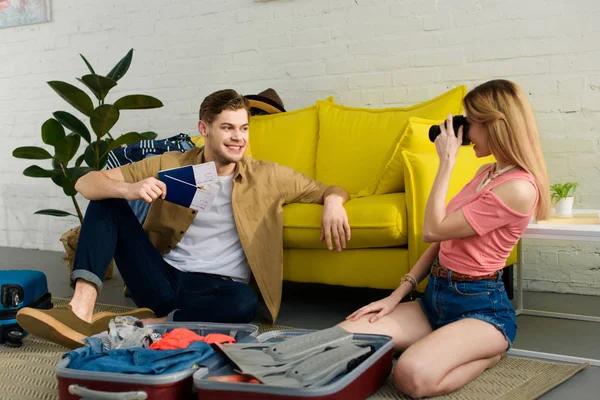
(382, 343)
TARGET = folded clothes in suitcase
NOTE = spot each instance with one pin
(19, 289)
(346, 370)
(76, 384)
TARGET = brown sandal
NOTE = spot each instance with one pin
(58, 325)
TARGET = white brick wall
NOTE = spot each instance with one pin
(364, 52)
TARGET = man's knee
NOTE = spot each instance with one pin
(107, 205)
(160, 300)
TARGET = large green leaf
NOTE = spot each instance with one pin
(149, 135)
(52, 131)
(87, 63)
(34, 171)
(99, 85)
(31, 153)
(127, 138)
(138, 102)
(108, 140)
(54, 213)
(90, 155)
(58, 180)
(67, 147)
(104, 118)
(75, 173)
(74, 96)
(69, 186)
(122, 66)
(73, 123)
(56, 164)
(80, 160)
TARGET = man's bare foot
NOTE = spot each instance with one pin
(84, 299)
(147, 321)
(82, 313)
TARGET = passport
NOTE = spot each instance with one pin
(185, 185)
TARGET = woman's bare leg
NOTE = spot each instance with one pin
(449, 358)
(406, 324)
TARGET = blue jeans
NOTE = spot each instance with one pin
(446, 301)
(94, 357)
(111, 230)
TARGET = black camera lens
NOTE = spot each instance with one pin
(457, 122)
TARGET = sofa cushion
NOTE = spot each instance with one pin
(375, 221)
(420, 170)
(414, 139)
(288, 138)
(197, 140)
(356, 145)
(380, 268)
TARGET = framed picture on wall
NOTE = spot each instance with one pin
(23, 12)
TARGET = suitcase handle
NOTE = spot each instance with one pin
(86, 393)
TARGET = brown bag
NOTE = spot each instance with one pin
(69, 240)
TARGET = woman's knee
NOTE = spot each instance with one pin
(411, 378)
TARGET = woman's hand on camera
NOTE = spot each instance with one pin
(379, 308)
(448, 143)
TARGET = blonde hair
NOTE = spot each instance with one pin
(512, 133)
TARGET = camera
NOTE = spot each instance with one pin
(457, 122)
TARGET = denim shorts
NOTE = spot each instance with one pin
(446, 301)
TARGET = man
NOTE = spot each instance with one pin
(185, 265)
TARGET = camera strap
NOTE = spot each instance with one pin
(493, 175)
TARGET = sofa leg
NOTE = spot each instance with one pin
(508, 278)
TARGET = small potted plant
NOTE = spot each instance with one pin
(562, 197)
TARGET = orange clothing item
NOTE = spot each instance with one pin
(213, 338)
(180, 338)
(233, 378)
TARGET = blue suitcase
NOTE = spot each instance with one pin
(20, 288)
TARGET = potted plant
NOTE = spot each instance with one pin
(64, 133)
(562, 197)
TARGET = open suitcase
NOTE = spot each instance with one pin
(357, 384)
(75, 384)
(19, 289)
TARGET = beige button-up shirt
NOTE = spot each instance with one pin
(260, 189)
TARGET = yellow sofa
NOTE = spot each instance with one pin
(384, 159)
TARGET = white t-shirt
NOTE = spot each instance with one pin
(212, 244)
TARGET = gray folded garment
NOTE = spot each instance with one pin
(123, 333)
(319, 369)
(308, 360)
(287, 351)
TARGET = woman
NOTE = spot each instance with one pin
(465, 323)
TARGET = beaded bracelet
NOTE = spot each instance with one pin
(410, 279)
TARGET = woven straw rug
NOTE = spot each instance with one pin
(28, 373)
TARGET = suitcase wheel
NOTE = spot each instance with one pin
(11, 296)
(14, 338)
